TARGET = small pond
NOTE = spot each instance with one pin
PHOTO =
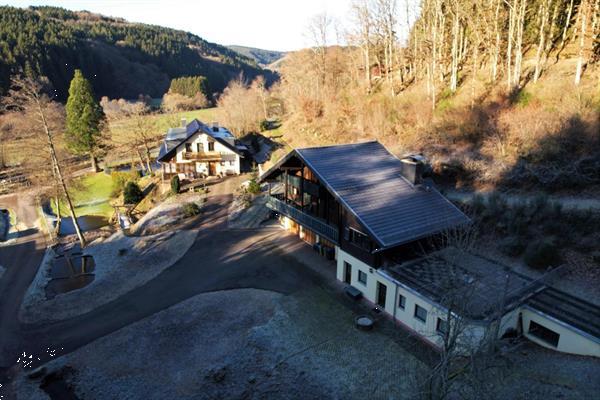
(70, 270)
(86, 223)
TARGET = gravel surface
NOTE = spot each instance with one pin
(243, 343)
(143, 259)
(242, 217)
(167, 214)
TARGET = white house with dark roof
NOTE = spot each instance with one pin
(197, 150)
(375, 215)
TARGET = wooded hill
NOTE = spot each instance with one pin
(495, 92)
(121, 59)
(260, 56)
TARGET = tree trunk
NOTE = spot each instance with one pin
(509, 47)
(544, 15)
(496, 56)
(94, 162)
(454, 51)
(519, 44)
(583, 11)
(60, 178)
(148, 162)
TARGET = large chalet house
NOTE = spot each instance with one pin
(383, 224)
(197, 150)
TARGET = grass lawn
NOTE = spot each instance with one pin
(162, 122)
(90, 195)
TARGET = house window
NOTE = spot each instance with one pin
(199, 147)
(401, 302)
(420, 313)
(231, 163)
(357, 238)
(544, 334)
(441, 326)
(362, 277)
(188, 147)
(211, 146)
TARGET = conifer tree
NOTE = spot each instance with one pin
(83, 133)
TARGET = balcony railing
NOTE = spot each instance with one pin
(329, 232)
(207, 156)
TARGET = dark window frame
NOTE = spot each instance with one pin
(188, 147)
(544, 334)
(361, 273)
(401, 302)
(416, 313)
(211, 146)
(358, 238)
(441, 326)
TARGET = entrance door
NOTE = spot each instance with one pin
(212, 169)
(381, 294)
(347, 273)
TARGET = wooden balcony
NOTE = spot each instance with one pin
(205, 156)
(329, 232)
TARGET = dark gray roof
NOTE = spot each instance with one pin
(366, 179)
(455, 278)
(569, 309)
(169, 147)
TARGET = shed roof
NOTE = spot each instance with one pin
(366, 178)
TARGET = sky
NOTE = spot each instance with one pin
(267, 24)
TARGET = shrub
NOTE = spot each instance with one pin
(542, 254)
(175, 185)
(520, 97)
(191, 209)
(265, 125)
(253, 186)
(132, 194)
(513, 246)
(119, 180)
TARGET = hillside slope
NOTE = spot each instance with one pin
(122, 59)
(260, 56)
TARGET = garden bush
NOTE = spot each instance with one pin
(542, 254)
(253, 186)
(513, 246)
(191, 209)
(175, 185)
(132, 194)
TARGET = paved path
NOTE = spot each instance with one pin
(21, 257)
(567, 202)
(220, 259)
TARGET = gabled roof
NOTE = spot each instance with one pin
(178, 136)
(366, 179)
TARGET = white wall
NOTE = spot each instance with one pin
(405, 316)
(202, 167)
(570, 341)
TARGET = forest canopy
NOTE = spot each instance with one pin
(121, 59)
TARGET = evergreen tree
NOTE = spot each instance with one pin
(84, 119)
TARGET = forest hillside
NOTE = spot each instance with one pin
(496, 93)
(122, 59)
(261, 56)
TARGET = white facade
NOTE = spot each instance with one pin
(571, 339)
(406, 315)
(227, 162)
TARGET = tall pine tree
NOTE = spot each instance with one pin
(85, 117)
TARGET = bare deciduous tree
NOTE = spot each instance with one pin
(43, 120)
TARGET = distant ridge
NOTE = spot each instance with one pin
(262, 57)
